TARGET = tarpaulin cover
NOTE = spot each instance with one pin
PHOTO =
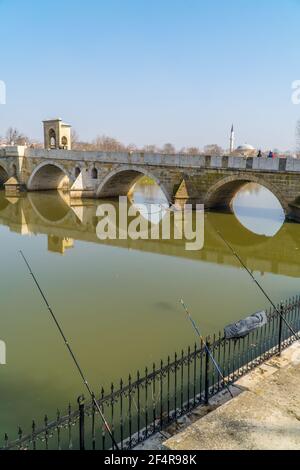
(244, 327)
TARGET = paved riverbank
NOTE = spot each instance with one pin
(266, 415)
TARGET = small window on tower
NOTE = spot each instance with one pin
(52, 139)
(64, 142)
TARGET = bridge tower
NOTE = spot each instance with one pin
(57, 135)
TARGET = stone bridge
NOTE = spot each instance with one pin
(208, 180)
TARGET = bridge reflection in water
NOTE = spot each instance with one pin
(66, 221)
(118, 300)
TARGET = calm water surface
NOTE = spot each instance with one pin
(119, 301)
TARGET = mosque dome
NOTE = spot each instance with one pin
(245, 147)
(245, 150)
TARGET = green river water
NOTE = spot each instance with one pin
(118, 301)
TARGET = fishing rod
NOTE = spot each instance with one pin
(205, 346)
(236, 255)
(92, 395)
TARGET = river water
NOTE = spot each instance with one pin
(118, 301)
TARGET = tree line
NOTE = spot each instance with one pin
(109, 144)
(103, 143)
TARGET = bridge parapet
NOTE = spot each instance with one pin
(16, 151)
(177, 161)
(140, 158)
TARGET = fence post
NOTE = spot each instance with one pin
(207, 358)
(81, 405)
(280, 329)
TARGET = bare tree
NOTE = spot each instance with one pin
(14, 137)
(150, 149)
(104, 143)
(75, 139)
(193, 151)
(214, 150)
(168, 149)
(87, 146)
(132, 148)
(77, 144)
(36, 145)
(108, 144)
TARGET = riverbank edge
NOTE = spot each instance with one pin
(200, 422)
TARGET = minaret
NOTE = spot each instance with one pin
(232, 140)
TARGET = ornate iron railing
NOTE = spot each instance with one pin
(151, 402)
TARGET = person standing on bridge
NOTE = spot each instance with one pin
(259, 154)
(271, 154)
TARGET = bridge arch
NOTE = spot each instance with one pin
(49, 176)
(221, 194)
(3, 176)
(120, 181)
(51, 209)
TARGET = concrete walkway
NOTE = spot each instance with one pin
(266, 415)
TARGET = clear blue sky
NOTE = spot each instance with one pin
(153, 71)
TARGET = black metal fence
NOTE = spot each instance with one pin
(149, 403)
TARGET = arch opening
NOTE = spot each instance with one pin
(49, 177)
(120, 184)
(221, 197)
(148, 198)
(52, 139)
(258, 210)
(3, 177)
(50, 208)
(124, 181)
(222, 194)
(256, 204)
(94, 174)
